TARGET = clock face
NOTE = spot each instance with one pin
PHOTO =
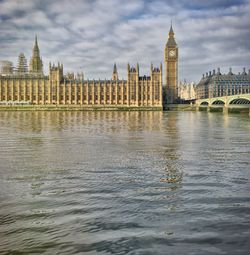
(171, 53)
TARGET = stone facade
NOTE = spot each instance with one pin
(35, 88)
(187, 90)
(215, 84)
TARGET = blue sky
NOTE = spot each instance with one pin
(90, 35)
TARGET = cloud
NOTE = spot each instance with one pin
(91, 35)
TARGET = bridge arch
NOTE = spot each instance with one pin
(240, 101)
(204, 103)
(218, 102)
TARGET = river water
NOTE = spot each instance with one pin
(124, 183)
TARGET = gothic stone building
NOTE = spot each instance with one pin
(30, 86)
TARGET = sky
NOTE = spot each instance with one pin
(90, 35)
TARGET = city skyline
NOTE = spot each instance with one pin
(90, 36)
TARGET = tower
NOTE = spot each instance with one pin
(36, 64)
(171, 63)
(133, 85)
(115, 73)
(56, 73)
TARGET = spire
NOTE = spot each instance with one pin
(36, 44)
(171, 39)
(115, 69)
(36, 64)
(171, 28)
(171, 31)
(36, 48)
(115, 73)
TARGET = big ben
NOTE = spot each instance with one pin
(171, 63)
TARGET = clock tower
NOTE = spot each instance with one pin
(171, 64)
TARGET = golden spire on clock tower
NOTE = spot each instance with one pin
(171, 65)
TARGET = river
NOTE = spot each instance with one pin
(124, 183)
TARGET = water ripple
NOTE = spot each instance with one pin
(124, 183)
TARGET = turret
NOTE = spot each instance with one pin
(56, 72)
(128, 67)
(137, 68)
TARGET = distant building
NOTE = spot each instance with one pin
(215, 84)
(6, 67)
(186, 90)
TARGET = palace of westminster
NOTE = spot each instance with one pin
(31, 86)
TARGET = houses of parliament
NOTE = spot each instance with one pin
(29, 85)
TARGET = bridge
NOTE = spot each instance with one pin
(241, 101)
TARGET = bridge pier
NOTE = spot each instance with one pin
(208, 108)
(225, 110)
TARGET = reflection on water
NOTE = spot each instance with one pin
(124, 183)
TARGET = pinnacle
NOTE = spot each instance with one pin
(115, 68)
(171, 29)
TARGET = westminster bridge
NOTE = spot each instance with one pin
(239, 102)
